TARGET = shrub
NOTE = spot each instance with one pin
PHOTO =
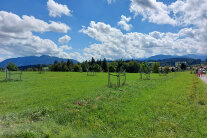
(166, 69)
(77, 68)
(12, 67)
(97, 68)
(155, 67)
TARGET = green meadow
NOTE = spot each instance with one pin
(68, 104)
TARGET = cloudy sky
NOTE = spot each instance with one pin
(112, 29)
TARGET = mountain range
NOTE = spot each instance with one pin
(33, 60)
(161, 57)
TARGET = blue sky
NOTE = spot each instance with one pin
(117, 29)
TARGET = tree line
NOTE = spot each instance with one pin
(69, 66)
(103, 66)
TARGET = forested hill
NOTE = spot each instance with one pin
(172, 61)
(33, 60)
(189, 56)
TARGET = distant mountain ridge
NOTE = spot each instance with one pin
(33, 60)
(161, 57)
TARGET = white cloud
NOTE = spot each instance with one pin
(110, 1)
(123, 23)
(16, 38)
(12, 24)
(56, 9)
(189, 11)
(114, 44)
(192, 13)
(31, 45)
(155, 12)
(180, 12)
(64, 39)
(65, 47)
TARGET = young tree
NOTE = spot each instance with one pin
(112, 66)
(105, 65)
(12, 67)
(145, 67)
(126, 66)
(183, 66)
(166, 69)
(119, 65)
(155, 67)
(40, 68)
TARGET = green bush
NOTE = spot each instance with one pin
(77, 68)
(12, 67)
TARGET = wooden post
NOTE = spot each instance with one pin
(9, 75)
(124, 78)
(119, 79)
(108, 78)
(117, 82)
(6, 73)
(21, 76)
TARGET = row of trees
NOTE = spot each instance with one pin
(12, 67)
(65, 66)
(92, 65)
(102, 66)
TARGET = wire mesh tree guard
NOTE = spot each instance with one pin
(41, 71)
(145, 75)
(120, 78)
(2, 77)
(13, 75)
(145, 71)
(162, 72)
(91, 73)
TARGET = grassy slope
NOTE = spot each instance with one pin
(72, 104)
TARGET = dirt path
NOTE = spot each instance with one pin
(204, 78)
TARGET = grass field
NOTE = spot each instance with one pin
(76, 105)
